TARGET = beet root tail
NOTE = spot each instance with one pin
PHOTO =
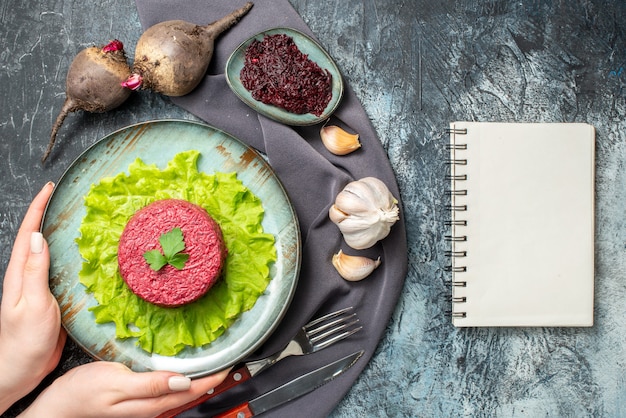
(229, 20)
(68, 107)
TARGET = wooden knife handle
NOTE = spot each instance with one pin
(234, 378)
(240, 411)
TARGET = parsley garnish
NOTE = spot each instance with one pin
(172, 244)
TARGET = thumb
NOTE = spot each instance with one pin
(35, 280)
(156, 384)
(178, 383)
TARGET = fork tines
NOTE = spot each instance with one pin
(332, 327)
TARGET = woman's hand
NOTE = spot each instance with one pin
(106, 389)
(31, 338)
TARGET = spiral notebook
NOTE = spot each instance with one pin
(522, 224)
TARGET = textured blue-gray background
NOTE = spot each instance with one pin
(415, 65)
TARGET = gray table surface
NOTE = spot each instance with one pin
(415, 65)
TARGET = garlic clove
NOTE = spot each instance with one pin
(363, 238)
(354, 268)
(379, 193)
(353, 224)
(355, 199)
(338, 141)
(336, 215)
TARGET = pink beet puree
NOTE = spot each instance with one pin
(170, 287)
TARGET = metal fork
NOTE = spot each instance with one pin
(314, 336)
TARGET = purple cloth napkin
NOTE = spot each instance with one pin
(312, 177)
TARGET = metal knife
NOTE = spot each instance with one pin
(297, 387)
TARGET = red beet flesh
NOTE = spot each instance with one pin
(170, 287)
(276, 72)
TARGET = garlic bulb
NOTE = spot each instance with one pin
(338, 141)
(365, 210)
(352, 267)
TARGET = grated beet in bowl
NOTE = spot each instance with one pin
(276, 72)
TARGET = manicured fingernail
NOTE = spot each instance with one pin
(36, 243)
(179, 383)
(48, 184)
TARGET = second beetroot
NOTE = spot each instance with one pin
(172, 57)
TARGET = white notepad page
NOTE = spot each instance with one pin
(529, 249)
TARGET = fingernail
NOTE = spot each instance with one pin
(36, 243)
(179, 383)
(48, 184)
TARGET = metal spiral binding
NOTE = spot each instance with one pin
(457, 131)
(460, 161)
(459, 177)
(460, 269)
(456, 207)
(461, 238)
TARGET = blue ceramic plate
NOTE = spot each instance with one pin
(316, 54)
(157, 142)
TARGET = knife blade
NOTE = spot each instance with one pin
(293, 389)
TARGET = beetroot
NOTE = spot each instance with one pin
(93, 83)
(172, 57)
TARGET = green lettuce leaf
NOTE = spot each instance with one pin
(166, 331)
